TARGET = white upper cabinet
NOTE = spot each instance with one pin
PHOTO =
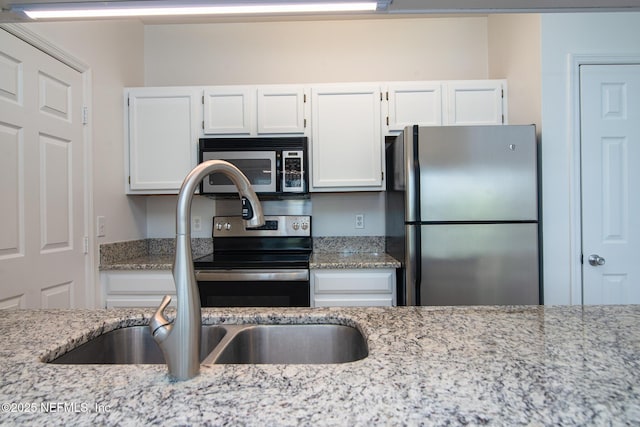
(281, 110)
(347, 149)
(253, 110)
(162, 136)
(413, 103)
(345, 123)
(229, 110)
(474, 102)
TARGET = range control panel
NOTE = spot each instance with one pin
(275, 226)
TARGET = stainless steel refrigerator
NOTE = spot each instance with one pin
(462, 214)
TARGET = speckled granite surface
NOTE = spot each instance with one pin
(507, 366)
(328, 252)
(146, 254)
(355, 244)
(344, 260)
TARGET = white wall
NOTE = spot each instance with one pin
(114, 51)
(562, 35)
(316, 51)
(514, 54)
(313, 52)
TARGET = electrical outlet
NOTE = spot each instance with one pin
(196, 223)
(101, 226)
(359, 220)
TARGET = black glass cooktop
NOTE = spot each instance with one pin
(229, 260)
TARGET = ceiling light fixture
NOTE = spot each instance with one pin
(166, 8)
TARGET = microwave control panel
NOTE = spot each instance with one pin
(293, 171)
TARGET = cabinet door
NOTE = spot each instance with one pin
(136, 288)
(229, 110)
(347, 148)
(281, 110)
(163, 138)
(353, 287)
(414, 103)
(475, 102)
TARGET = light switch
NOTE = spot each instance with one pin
(101, 226)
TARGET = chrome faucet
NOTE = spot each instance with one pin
(180, 341)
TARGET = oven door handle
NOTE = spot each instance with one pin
(246, 275)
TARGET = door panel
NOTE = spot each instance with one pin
(478, 173)
(42, 260)
(470, 264)
(610, 113)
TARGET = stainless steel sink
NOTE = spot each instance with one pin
(132, 345)
(233, 344)
(294, 344)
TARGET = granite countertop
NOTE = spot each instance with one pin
(426, 366)
(328, 253)
(340, 260)
(322, 260)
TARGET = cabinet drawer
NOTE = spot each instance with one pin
(138, 282)
(345, 300)
(362, 281)
(138, 301)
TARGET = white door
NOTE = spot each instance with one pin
(229, 110)
(347, 146)
(163, 138)
(414, 103)
(610, 138)
(42, 260)
(281, 110)
(474, 102)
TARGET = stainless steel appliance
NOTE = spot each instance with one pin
(462, 214)
(274, 166)
(267, 266)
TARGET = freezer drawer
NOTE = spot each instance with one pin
(479, 264)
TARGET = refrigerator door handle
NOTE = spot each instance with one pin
(412, 168)
(413, 264)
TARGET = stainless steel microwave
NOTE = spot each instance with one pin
(273, 165)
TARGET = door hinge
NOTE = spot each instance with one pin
(382, 175)
(305, 123)
(129, 179)
(381, 97)
(387, 95)
(387, 120)
(128, 101)
(203, 124)
(85, 243)
(304, 98)
(85, 115)
(202, 99)
(503, 119)
(501, 93)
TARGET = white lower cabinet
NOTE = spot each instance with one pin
(137, 288)
(353, 287)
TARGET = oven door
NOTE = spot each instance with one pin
(254, 288)
(258, 166)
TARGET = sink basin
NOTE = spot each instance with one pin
(293, 344)
(232, 344)
(132, 345)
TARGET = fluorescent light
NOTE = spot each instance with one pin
(106, 10)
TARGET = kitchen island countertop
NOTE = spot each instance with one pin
(426, 366)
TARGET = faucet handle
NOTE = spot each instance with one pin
(159, 325)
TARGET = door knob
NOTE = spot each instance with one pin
(596, 260)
